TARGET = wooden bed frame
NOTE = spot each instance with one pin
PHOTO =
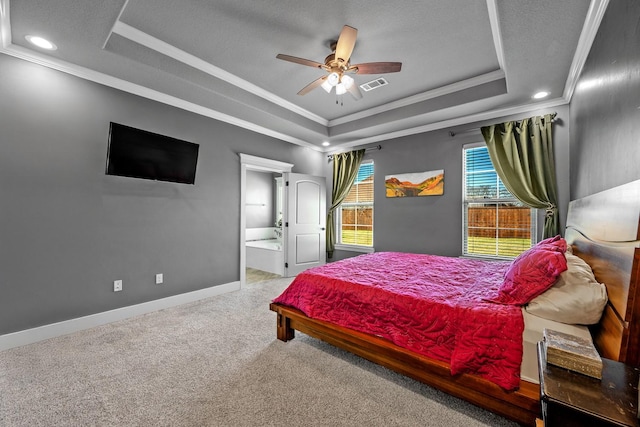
(604, 230)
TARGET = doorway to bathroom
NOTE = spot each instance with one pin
(261, 208)
(263, 230)
(301, 235)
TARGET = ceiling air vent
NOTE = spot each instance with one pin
(374, 84)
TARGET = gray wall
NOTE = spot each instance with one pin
(434, 224)
(67, 230)
(605, 108)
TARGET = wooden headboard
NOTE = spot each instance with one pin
(604, 230)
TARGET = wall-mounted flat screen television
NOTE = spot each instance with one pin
(141, 154)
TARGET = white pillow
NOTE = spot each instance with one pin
(576, 297)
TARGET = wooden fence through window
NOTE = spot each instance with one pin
(362, 217)
(511, 221)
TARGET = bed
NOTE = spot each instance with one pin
(602, 230)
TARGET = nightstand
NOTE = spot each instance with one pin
(571, 399)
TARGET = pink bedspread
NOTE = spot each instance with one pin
(429, 304)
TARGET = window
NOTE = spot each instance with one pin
(355, 214)
(495, 223)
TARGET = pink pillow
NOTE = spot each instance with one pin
(530, 274)
(556, 243)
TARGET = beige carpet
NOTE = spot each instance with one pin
(215, 362)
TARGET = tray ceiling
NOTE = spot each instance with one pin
(462, 60)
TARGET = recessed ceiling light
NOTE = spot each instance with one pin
(325, 144)
(540, 95)
(40, 42)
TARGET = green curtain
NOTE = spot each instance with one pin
(522, 154)
(345, 170)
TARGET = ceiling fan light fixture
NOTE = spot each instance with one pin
(333, 79)
(347, 81)
(326, 86)
(341, 89)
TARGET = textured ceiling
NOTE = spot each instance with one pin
(462, 60)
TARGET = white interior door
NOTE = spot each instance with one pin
(305, 220)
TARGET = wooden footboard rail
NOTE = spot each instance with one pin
(522, 406)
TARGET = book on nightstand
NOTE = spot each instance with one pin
(571, 352)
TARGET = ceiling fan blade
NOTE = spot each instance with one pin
(301, 61)
(346, 43)
(376, 67)
(354, 90)
(311, 86)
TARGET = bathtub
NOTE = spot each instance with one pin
(269, 244)
(264, 253)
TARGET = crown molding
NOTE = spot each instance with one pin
(5, 24)
(494, 22)
(145, 92)
(596, 11)
(594, 17)
(458, 121)
(424, 96)
(180, 55)
(173, 52)
(135, 89)
(6, 47)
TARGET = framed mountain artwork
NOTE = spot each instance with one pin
(429, 183)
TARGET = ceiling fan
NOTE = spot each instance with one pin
(338, 67)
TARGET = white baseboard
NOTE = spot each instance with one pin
(29, 336)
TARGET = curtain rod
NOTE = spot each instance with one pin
(377, 147)
(452, 133)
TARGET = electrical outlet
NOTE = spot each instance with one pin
(117, 285)
(159, 278)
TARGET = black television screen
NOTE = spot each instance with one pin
(141, 154)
